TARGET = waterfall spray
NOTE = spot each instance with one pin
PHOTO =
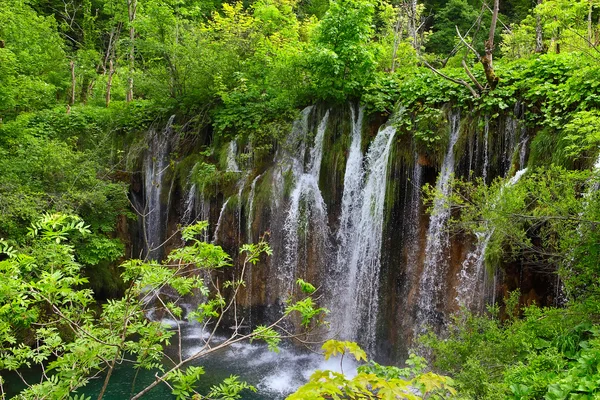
(351, 197)
(306, 209)
(471, 274)
(156, 163)
(357, 303)
(432, 285)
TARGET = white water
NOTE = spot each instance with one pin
(189, 207)
(307, 213)
(221, 214)
(232, 165)
(275, 375)
(413, 217)
(156, 163)
(250, 213)
(471, 275)
(432, 286)
(351, 198)
(510, 139)
(486, 145)
(356, 315)
(523, 145)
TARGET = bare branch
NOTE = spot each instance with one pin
(471, 76)
(467, 44)
(457, 81)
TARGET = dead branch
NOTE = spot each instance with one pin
(457, 81)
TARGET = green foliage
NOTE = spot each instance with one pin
(33, 64)
(372, 382)
(183, 381)
(581, 135)
(547, 218)
(454, 13)
(269, 336)
(230, 389)
(550, 353)
(306, 287)
(307, 310)
(340, 60)
(334, 347)
(49, 318)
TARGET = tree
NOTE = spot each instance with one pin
(340, 58)
(43, 296)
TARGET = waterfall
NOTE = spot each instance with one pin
(353, 179)
(510, 138)
(523, 147)
(220, 220)
(470, 275)
(156, 163)
(358, 300)
(486, 146)
(306, 209)
(232, 165)
(432, 285)
(413, 214)
(250, 216)
(241, 186)
(189, 206)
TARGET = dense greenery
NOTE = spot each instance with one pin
(49, 320)
(82, 80)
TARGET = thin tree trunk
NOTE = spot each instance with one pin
(107, 379)
(111, 71)
(397, 38)
(72, 63)
(487, 59)
(108, 50)
(412, 18)
(539, 32)
(590, 33)
(131, 9)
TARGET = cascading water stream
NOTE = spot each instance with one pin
(220, 220)
(351, 197)
(156, 163)
(413, 216)
(486, 146)
(307, 209)
(358, 303)
(471, 273)
(232, 165)
(433, 285)
(250, 216)
(189, 206)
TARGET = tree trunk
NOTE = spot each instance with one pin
(487, 59)
(111, 71)
(590, 32)
(131, 10)
(412, 24)
(72, 63)
(397, 37)
(539, 32)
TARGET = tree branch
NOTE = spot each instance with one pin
(457, 81)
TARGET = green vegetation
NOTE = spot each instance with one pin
(49, 319)
(373, 380)
(82, 81)
(549, 219)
